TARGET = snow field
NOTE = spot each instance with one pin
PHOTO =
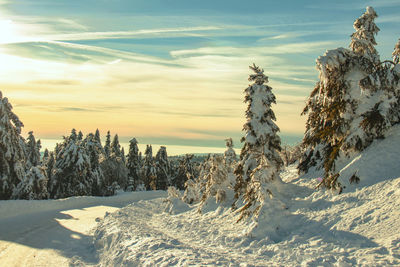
(359, 227)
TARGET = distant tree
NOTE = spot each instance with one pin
(184, 170)
(12, 150)
(229, 154)
(93, 150)
(259, 158)
(162, 169)
(134, 165)
(116, 147)
(32, 151)
(148, 172)
(107, 145)
(123, 155)
(46, 155)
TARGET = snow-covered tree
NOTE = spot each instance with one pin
(113, 165)
(219, 185)
(116, 147)
(107, 145)
(148, 172)
(134, 165)
(93, 150)
(363, 39)
(46, 155)
(12, 149)
(354, 102)
(123, 158)
(261, 146)
(72, 171)
(162, 169)
(229, 154)
(48, 163)
(33, 185)
(32, 151)
(184, 170)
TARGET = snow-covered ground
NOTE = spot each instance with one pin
(56, 232)
(359, 227)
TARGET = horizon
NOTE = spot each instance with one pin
(169, 74)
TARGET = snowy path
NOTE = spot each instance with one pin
(55, 232)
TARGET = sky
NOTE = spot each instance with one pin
(169, 72)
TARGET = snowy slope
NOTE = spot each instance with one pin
(358, 227)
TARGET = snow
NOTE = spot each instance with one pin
(308, 227)
(56, 232)
(317, 228)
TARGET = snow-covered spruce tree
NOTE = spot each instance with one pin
(107, 145)
(46, 155)
(72, 171)
(93, 150)
(148, 172)
(219, 186)
(134, 166)
(162, 169)
(184, 170)
(123, 158)
(12, 149)
(33, 185)
(32, 151)
(353, 103)
(363, 39)
(229, 154)
(259, 158)
(115, 146)
(48, 163)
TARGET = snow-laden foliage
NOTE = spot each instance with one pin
(363, 39)
(134, 165)
(116, 147)
(107, 145)
(354, 103)
(32, 151)
(184, 170)
(148, 172)
(33, 185)
(72, 170)
(261, 143)
(12, 149)
(229, 154)
(163, 169)
(93, 150)
(219, 184)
